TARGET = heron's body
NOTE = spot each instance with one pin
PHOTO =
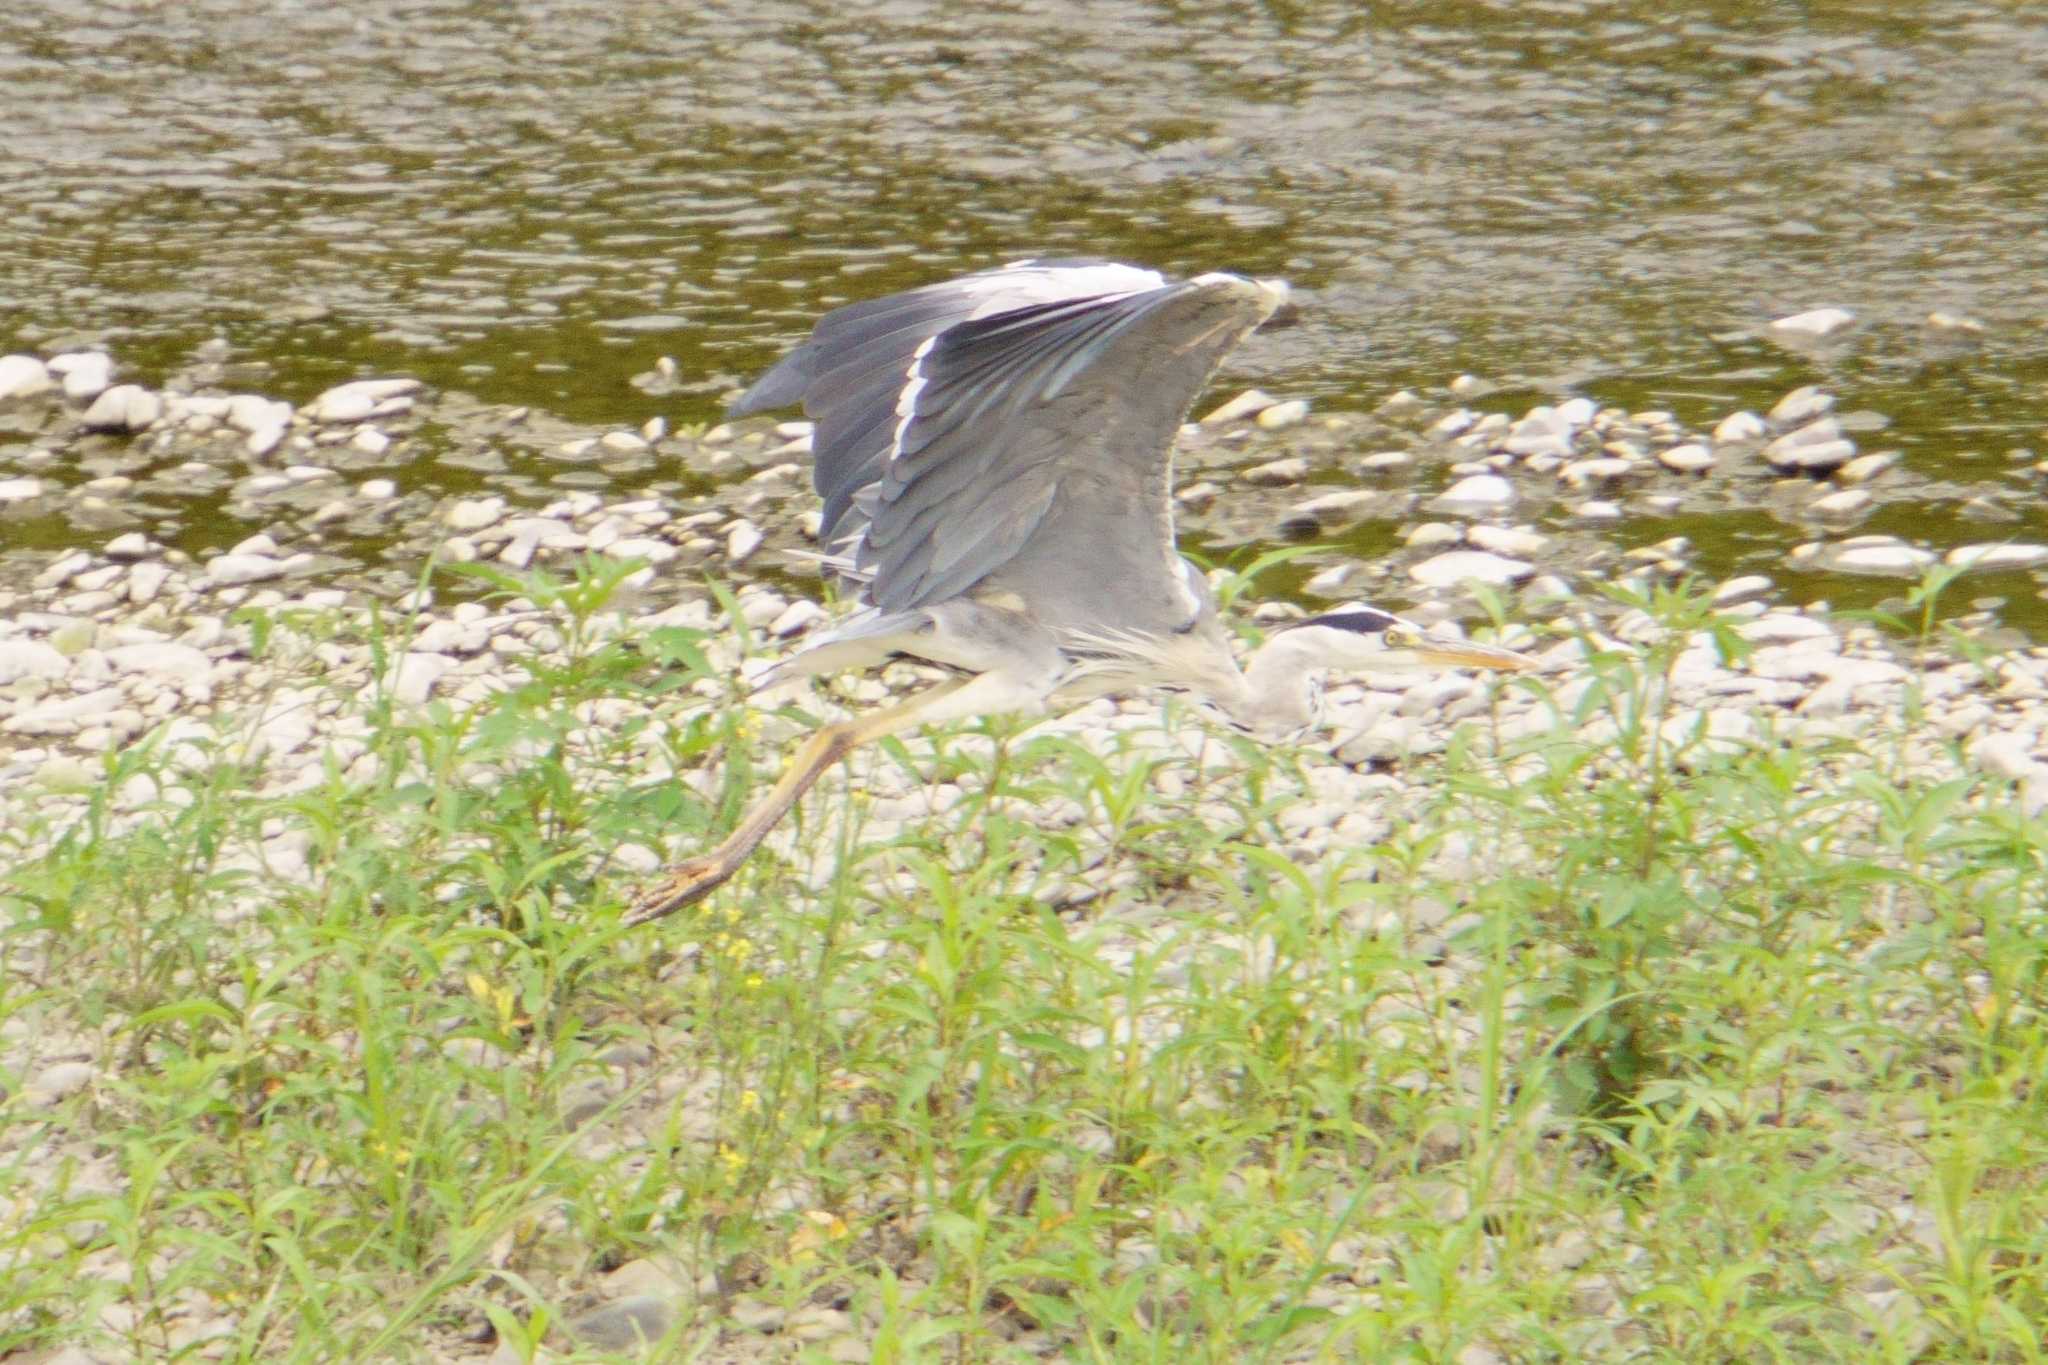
(995, 456)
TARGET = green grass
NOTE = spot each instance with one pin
(1652, 1048)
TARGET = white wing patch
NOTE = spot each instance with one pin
(1021, 284)
(1189, 579)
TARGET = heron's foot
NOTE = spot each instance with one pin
(684, 884)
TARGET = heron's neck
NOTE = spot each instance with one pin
(1283, 691)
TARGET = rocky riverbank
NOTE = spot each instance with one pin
(355, 486)
(102, 643)
(280, 666)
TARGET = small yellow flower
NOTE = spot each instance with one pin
(754, 981)
(750, 1100)
(731, 1157)
(818, 1229)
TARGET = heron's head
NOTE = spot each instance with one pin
(1368, 640)
(1282, 695)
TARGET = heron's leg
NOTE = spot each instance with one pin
(693, 879)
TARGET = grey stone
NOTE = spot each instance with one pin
(1336, 509)
(627, 1324)
(20, 490)
(57, 1082)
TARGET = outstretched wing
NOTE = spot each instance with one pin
(953, 421)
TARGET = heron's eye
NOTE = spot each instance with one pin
(1401, 637)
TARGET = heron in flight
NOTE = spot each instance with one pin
(995, 454)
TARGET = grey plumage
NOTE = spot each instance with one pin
(995, 458)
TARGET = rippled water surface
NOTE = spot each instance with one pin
(531, 201)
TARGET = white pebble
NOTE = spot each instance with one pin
(1276, 473)
(1997, 556)
(85, 373)
(1691, 458)
(1502, 540)
(473, 514)
(1816, 322)
(1847, 502)
(124, 407)
(742, 540)
(1282, 415)
(362, 398)
(23, 376)
(1740, 426)
(30, 659)
(252, 412)
(1478, 493)
(56, 1083)
(1453, 567)
(1246, 404)
(230, 569)
(1803, 404)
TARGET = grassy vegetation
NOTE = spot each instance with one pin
(1645, 1046)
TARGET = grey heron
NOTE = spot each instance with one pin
(995, 458)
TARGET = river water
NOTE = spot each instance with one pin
(530, 201)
